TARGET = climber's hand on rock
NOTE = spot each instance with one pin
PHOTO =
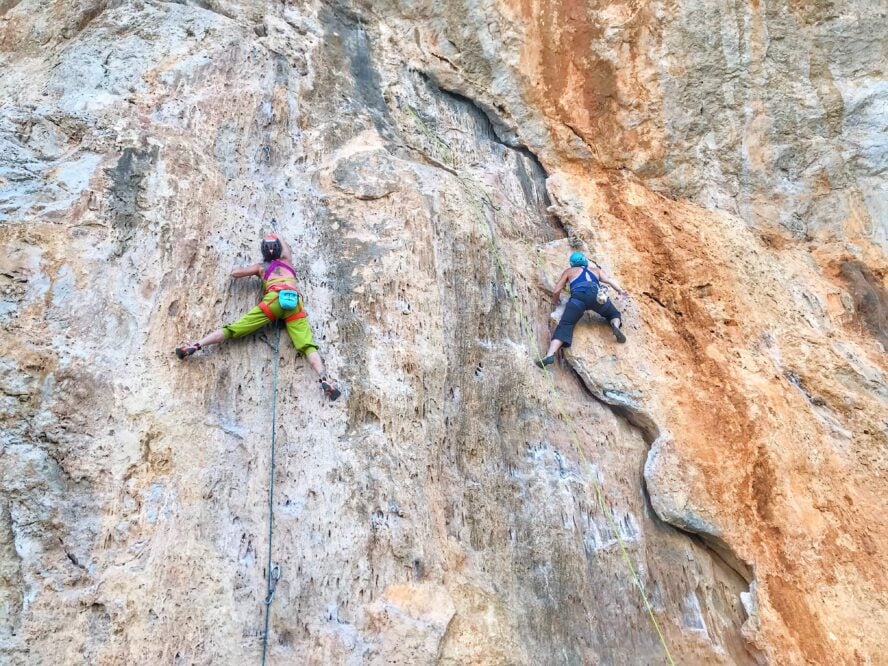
(247, 271)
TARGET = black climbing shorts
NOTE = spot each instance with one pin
(577, 305)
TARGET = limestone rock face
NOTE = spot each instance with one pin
(432, 164)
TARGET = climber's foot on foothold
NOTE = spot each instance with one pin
(543, 362)
(187, 350)
(329, 388)
(618, 334)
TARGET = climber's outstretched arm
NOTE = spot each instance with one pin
(247, 271)
(286, 253)
(559, 286)
(607, 279)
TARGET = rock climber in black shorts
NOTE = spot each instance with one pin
(584, 284)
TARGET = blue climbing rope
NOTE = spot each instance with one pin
(274, 570)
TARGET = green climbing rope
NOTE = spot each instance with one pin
(273, 572)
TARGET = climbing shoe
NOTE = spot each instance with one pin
(618, 334)
(543, 362)
(329, 388)
(187, 350)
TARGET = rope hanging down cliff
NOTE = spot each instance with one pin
(475, 191)
(273, 571)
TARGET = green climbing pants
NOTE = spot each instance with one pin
(297, 328)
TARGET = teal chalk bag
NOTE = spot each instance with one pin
(288, 299)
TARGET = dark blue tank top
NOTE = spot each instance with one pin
(584, 281)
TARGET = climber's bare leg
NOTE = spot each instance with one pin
(328, 384)
(316, 363)
(549, 358)
(554, 346)
(213, 338)
(189, 348)
(616, 325)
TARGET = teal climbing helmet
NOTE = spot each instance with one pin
(578, 259)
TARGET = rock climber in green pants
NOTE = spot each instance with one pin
(281, 300)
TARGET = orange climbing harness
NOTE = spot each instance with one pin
(271, 316)
(278, 285)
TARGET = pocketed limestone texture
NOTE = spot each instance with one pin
(433, 164)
